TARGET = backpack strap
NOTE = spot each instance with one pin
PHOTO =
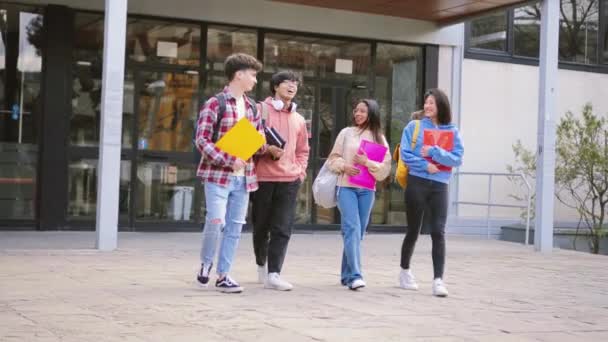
(221, 98)
(415, 135)
(253, 106)
(264, 106)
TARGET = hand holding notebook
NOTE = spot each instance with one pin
(242, 140)
(440, 138)
(374, 152)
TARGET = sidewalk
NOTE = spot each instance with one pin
(53, 287)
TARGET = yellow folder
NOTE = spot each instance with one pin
(242, 140)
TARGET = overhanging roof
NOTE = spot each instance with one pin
(438, 11)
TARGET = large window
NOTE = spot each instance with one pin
(526, 31)
(163, 42)
(21, 37)
(316, 57)
(168, 73)
(578, 31)
(490, 32)
(86, 83)
(583, 34)
(604, 32)
(399, 83)
(222, 41)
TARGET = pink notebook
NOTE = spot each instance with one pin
(375, 152)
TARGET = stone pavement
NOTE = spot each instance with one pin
(54, 288)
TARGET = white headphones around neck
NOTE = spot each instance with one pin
(278, 105)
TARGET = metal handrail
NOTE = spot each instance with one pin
(489, 204)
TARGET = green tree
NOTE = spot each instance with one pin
(581, 172)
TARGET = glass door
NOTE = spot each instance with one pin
(165, 186)
(327, 109)
(20, 75)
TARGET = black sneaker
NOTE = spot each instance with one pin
(228, 285)
(202, 277)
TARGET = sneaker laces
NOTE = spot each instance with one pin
(230, 281)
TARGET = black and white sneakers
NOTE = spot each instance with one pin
(228, 285)
(225, 284)
(202, 277)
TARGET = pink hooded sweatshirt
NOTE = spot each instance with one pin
(292, 127)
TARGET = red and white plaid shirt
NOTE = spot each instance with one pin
(216, 166)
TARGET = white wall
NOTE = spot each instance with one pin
(499, 106)
(261, 13)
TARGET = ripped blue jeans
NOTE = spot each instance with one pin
(226, 213)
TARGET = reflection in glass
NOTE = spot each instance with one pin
(222, 41)
(604, 35)
(18, 181)
(579, 26)
(316, 57)
(20, 73)
(398, 90)
(326, 122)
(168, 106)
(86, 82)
(526, 30)
(489, 32)
(165, 191)
(163, 42)
(82, 188)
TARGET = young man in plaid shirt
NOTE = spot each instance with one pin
(227, 179)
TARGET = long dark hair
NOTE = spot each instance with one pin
(444, 113)
(373, 119)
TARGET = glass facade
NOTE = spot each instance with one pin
(489, 32)
(399, 83)
(21, 39)
(583, 33)
(172, 67)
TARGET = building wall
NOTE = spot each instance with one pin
(500, 106)
(268, 14)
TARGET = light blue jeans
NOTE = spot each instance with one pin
(355, 207)
(226, 212)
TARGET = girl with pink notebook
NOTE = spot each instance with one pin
(360, 156)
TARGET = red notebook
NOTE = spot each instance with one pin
(441, 138)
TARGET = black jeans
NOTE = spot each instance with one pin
(425, 200)
(272, 215)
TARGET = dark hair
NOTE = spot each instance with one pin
(444, 113)
(240, 61)
(373, 119)
(280, 77)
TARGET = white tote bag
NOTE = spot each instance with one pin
(324, 187)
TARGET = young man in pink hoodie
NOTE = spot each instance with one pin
(280, 174)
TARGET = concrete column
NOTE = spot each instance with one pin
(108, 176)
(545, 164)
(456, 102)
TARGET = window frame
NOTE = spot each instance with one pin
(510, 57)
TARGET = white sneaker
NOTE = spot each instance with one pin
(274, 281)
(262, 274)
(439, 288)
(357, 284)
(407, 280)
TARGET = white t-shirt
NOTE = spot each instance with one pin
(240, 112)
